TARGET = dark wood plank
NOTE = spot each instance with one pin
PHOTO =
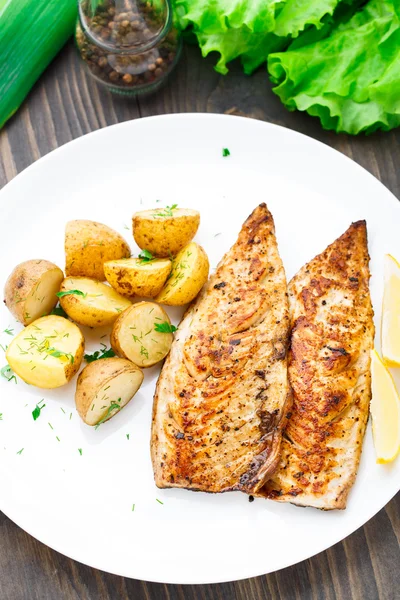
(65, 104)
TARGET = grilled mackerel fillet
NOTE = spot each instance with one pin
(223, 393)
(329, 371)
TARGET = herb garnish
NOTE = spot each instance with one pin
(113, 406)
(103, 353)
(164, 327)
(9, 331)
(80, 451)
(159, 501)
(8, 373)
(133, 507)
(20, 451)
(167, 212)
(59, 311)
(1, 418)
(145, 256)
(127, 436)
(36, 411)
(71, 292)
(59, 353)
(225, 152)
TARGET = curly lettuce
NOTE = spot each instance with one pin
(250, 30)
(351, 79)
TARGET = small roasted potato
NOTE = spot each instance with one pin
(104, 387)
(88, 245)
(137, 277)
(47, 353)
(165, 231)
(30, 290)
(189, 274)
(90, 302)
(143, 334)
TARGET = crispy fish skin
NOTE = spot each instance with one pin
(329, 371)
(223, 393)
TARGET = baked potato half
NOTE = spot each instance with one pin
(104, 387)
(189, 274)
(143, 334)
(90, 302)
(88, 245)
(136, 276)
(30, 290)
(47, 353)
(165, 231)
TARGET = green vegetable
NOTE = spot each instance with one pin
(164, 327)
(59, 311)
(113, 406)
(146, 256)
(225, 152)
(32, 32)
(72, 293)
(351, 79)
(250, 30)
(103, 353)
(8, 373)
(37, 410)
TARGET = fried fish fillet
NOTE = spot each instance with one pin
(223, 393)
(329, 371)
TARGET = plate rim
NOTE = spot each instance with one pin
(253, 123)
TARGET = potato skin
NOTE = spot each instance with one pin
(21, 283)
(164, 236)
(133, 277)
(94, 376)
(189, 274)
(98, 313)
(88, 245)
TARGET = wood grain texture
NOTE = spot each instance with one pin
(65, 104)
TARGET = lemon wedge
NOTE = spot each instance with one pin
(390, 330)
(385, 411)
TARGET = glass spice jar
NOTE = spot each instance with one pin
(130, 46)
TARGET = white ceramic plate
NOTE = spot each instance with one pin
(82, 505)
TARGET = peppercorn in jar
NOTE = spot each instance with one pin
(130, 46)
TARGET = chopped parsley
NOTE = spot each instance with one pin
(167, 212)
(37, 410)
(9, 331)
(127, 435)
(59, 311)
(59, 354)
(133, 507)
(80, 451)
(164, 327)
(225, 152)
(8, 373)
(103, 353)
(1, 418)
(20, 451)
(145, 256)
(71, 293)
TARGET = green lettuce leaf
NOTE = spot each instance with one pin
(350, 79)
(250, 30)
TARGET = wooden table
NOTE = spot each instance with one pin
(64, 105)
